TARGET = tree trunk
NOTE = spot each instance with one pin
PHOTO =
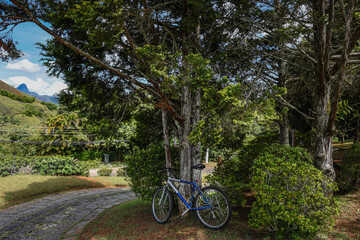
(166, 142)
(356, 138)
(185, 145)
(323, 139)
(281, 72)
(284, 129)
(196, 148)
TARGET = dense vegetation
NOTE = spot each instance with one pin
(163, 82)
(18, 97)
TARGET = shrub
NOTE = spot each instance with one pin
(293, 198)
(142, 170)
(49, 105)
(31, 110)
(5, 171)
(348, 175)
(121, 172)
(18, 97)
(58, 166)
(105, 172)
(233, 175)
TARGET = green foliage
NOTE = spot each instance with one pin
(31, 110)
(58, 166)
(233, 174)
(121, 172)
(348, 175)
(142, 170)
(8, 119)
(4, 171)
(105, 172)
(18, 97)
(293, 198)
(50, 106)
(61, 131)
(88, 155)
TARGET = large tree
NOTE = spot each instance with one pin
(158, 46)
(336, 33)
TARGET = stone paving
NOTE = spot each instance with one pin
(59, 216)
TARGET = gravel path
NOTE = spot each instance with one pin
(59, 216)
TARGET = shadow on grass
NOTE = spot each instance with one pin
(48, 186)
(134, 220)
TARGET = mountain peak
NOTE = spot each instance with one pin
(22, 87)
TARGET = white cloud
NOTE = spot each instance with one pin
(56, 87)
(24, 65)
(39, 85)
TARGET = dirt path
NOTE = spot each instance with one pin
(59, 215)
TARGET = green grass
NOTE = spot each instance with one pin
(21, 188)
(133, 220)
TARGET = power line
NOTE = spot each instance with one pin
(61, 143)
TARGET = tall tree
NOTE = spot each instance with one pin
(131, 45)
(336, 33)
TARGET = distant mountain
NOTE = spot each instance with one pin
(45, 98)
(27, 113)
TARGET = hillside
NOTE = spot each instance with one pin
(15, 114)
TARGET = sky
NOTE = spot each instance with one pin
(29, 69)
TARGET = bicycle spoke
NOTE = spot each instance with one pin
(162, 205)
(219, 214)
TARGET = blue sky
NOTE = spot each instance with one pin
(28, 69)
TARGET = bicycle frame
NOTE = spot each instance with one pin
(188, 205)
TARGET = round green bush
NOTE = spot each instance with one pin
(105, 172)
(142, 170)
(293, 198)
(233, 175)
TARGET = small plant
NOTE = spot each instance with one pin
(105, 172)
(121, 172)
(4, 171)
(293, 198)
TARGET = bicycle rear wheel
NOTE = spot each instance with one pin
(219, 215)
(162, 205)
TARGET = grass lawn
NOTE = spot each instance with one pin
(134, 220)
(21, 188)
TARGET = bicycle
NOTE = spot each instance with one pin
(212, 205)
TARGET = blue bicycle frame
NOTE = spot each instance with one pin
(189, 205)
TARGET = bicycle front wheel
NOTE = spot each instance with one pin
(162, 205)
(218, 216)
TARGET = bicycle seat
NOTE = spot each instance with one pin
(198, 166)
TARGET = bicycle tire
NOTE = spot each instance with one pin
(220, 214)
(162, 205)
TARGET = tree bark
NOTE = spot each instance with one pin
(281, 72)
(325, 121)
(185, 145)
(166, 142)
(196, 148)
(323, 140)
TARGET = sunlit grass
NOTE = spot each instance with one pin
(21, 188)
